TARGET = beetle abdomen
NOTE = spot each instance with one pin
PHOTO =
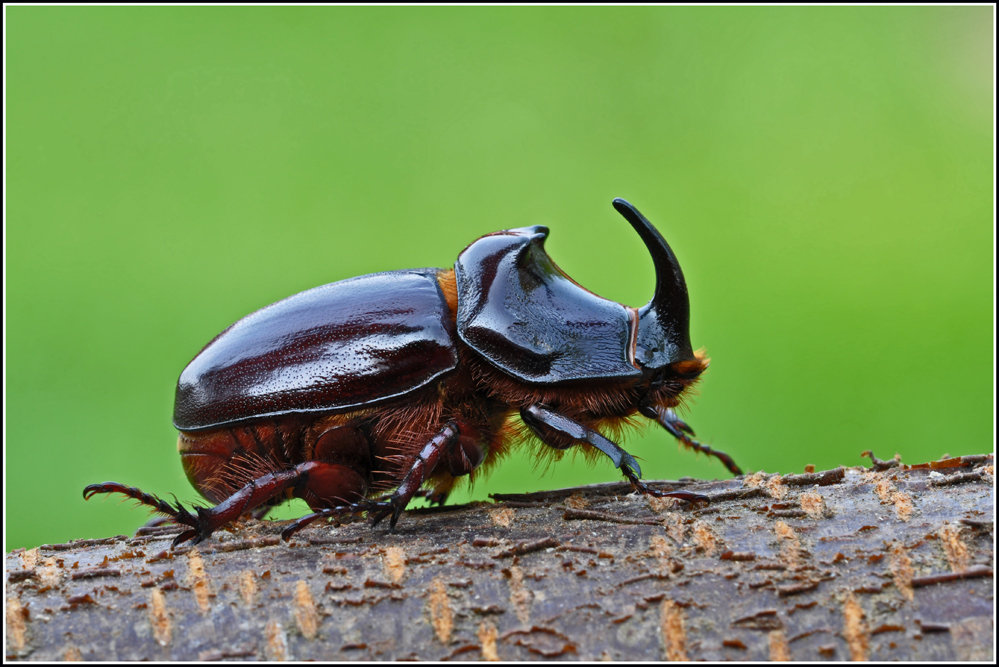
(334, 347)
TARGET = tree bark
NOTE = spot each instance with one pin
(889, 563)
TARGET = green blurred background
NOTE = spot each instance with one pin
(824, 175)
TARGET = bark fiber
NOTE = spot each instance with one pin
(893, 562)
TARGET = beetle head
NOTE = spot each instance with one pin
(664, 322)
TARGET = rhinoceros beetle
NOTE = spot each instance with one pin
(414, 378)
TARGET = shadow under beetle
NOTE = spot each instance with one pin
(411, 378)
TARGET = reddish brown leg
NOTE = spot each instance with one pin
(455, 445)
(257, 514)
(208, 520)
(157, 521)
(261, 512)
(174, 512)
(644, 488)
(331, 512)
(681, 431)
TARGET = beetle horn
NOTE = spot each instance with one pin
(668, 313)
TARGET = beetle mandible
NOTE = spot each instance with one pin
(409, 378)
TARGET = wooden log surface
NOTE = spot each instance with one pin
(889, 563)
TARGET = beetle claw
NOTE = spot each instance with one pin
(186, 535)
(379, 509)
(384, 512)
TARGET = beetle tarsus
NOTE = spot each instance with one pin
(177, 513)
(683, 426)
(156, 521)
(645, 489)
(200, 525)
(301, 523)
(378, 510)
(183, 537)
(679, 429)
(368, 506)
(433, 497)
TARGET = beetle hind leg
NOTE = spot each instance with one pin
(306, 477)
(175, 512)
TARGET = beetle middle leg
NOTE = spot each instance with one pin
(455, 445)
(558, 431)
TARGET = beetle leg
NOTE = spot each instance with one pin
(540, 418)
(176, 513)
(455, 444)
(647, 490)
(300, 478)
(208, 520)
(257, 514)
(433, 497)
(327, 512)
(679, 429)
(299, 524)
(157, 521)
(551, 426)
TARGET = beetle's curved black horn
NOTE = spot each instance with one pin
(671, 289)
(669, 307)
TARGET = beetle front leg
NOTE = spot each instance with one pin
(667, 418)
(558, 431)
